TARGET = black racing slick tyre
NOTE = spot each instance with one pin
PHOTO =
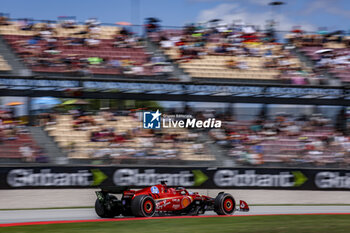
(143, 206)
(108, 209)
(224, 204)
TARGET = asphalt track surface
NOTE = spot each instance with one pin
(18, 216)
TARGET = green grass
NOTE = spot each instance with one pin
(263, 224)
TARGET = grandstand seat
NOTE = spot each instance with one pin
(13, 35)
(4, 66)
(79, 146)
(10, 149)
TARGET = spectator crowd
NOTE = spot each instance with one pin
(236, 42)
(329, 51)
(16, 141)
(92, 48)
(120, 136)
(283, 139)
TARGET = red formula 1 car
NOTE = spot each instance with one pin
(162, 200)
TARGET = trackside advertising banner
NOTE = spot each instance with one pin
(191, 177)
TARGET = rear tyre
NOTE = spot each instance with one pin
(107, 209)
(143, 206)
(224, 204)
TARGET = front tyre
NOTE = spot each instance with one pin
(143, 206)
(224, 204)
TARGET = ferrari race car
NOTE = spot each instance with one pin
(162, 200)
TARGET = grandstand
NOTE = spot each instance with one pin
(17, 144)
(119, 138)
(53, 48)
(328, 52)
(230, 54)
(215, 57)
(110, 50)
(284, 140)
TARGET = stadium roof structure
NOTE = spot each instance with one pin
(104, 88)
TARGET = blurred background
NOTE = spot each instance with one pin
(73, 89)
(77, 76)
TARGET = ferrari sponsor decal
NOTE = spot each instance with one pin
(163, 204)
(154, 189)
(186, 201)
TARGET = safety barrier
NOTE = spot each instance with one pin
(192, 177)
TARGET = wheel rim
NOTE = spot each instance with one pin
(228, 204)
(148, 206)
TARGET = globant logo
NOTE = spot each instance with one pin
(155, 120)
(139, 177)
(328, 179)
(135, 177)
(46, 177)
(235, 178)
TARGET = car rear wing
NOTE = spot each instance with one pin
(114, 189)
